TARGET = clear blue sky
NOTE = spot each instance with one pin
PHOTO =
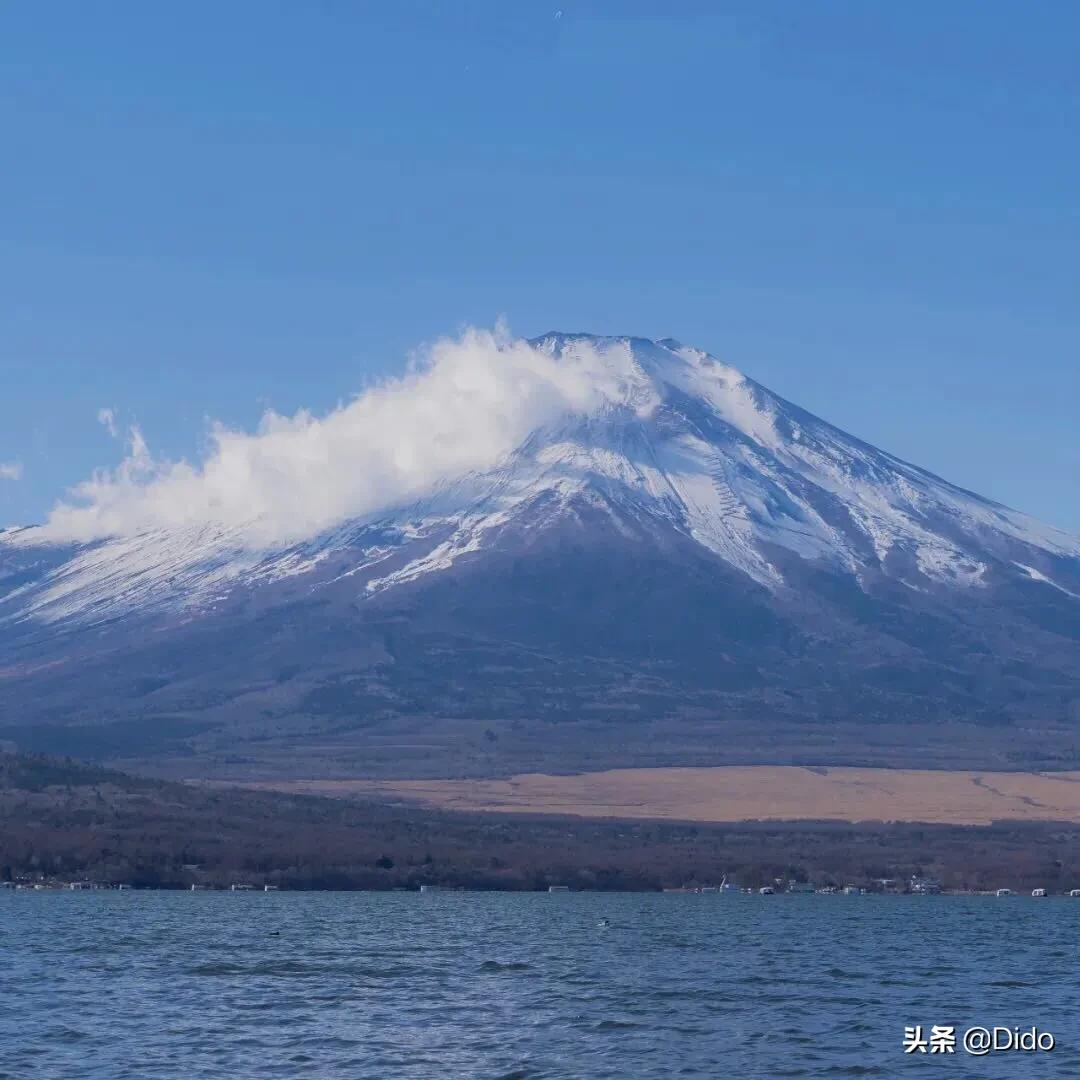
(872, 208)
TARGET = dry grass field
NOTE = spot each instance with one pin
(742, 793)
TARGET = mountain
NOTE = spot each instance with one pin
(692, 571)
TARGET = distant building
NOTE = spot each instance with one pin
(925, 886)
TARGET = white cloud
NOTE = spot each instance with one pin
(462, 407)
(11, 470)
(107, 419)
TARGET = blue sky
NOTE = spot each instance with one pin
(208, 209)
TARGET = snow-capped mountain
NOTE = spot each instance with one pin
(693, 540)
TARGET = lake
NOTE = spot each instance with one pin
(499, 985)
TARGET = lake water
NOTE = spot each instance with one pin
(527, 985)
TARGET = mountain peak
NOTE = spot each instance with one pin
(643, 365)
(653, 431)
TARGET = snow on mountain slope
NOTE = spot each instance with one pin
(686, 442)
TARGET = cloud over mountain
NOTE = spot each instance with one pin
(464, 405)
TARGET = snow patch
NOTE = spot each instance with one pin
(1035, 575)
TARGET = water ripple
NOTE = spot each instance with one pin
(523, 987)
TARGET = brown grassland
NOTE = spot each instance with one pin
(741, 793)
